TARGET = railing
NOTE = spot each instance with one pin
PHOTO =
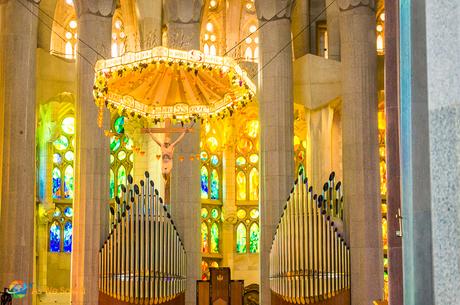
(143, 260)
(309, 259)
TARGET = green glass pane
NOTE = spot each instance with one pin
(204, 156)
(119, 124)
(214, 184)
(204, 238)
(204, 182)
(128, 143)
(61, 143)
(214, 213)
(112, 158)
(68, 125)
(114, 144)
(214, 160)
(121, 155)
(112, 185)
(254, 213)
(240, 161)
(241, 238)
(121, 178)
(254, 238)
(204, 212)
(69, 155)
(214, 238)
(68, 182)
(57, 158)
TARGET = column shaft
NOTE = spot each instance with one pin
(333, 30)
(300, 22)
(90, 225)
(18, 42)
(360, 154)
(277, 132)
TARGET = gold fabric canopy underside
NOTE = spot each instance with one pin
(163, 83)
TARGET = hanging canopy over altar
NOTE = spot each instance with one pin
(163, 83)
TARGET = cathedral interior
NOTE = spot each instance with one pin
(229, 152)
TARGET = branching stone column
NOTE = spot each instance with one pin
(18, 42)
(276, 114)
(90, 225)
(300, 27)
(183, 17)
(360, 150)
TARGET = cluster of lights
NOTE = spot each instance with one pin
(71, 37)
(380, 34)
(213, 4)
(250, 7)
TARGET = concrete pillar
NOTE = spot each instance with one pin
(183, 20)
(442, 41)
(395, 268)
(300, 21)
(90, 224)
(333, 30)
(360, 150)
(18, 42)
(276, 114)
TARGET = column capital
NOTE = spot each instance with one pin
(268, 10)
(183, 11)
(346, 5)
(103, 8)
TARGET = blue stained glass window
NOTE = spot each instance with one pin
(68, 212)
(68, 237)
(214, 184)
(214, 160)
(55, 237)
(204, 183)
(56, 183)
(68, 182)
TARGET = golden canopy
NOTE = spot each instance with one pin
(163, 83)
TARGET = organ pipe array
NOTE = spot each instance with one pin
(143, 261)
(309, 259)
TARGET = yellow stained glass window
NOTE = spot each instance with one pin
(212, 144)
(241, 186)
(252, 129)
(254, 184)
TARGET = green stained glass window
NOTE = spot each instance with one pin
(121, 155)
(254, 184)
(69, 155)
(214, 184)
(241, 238)
(240, 161)
(254, 213)
(128, 143)
(214, 213)
(204, 182)
(68, 182)
(119, 124)
(121, 178)
(114, 144)
(214, 238)
(68, 125)
(204, 238)
(204, 212)
(61, 143)
(112, 184)
(112, 158)
(254, 236)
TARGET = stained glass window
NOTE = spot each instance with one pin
(241, 186)
(211, 165)
(68, 237)
(214, 238)
(204, 238)
(204, 182)
(214, 184)
(254, 184)
(254, 236)
(241, 238)
(209, 38)
(247, 173)
(251, 43)
(68, 182)
(56, 183)
(55, 237)
(60, 229)
(118, 35)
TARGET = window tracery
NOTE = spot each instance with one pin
(247, 230)
(118, 35)
(64, 35)
(209, 39)
(251, 43)
(60, 230)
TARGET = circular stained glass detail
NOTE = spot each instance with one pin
(240, 161)
(119, 124)
(112, 159)
(131, 157)
(68, 212)
(214, 160)
(244, 146)
(69, 155)
(128, 143)
(241, 214)
(68, 125)
(253, 158)
(204, 156)
(254, 213)
(121, 155)
(61, 143)
(214, 213)
(204, 212)
(214, 264)
(57, 212)
(114, 144)
(252, 129)
(57, 158)
(212, 144)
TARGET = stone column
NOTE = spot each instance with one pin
(229, 204)
(442, 43)
(18, 42)
(395, 268)
(360, 150)
(90, 224)
(333, 30)
(183, 19)
(276, 114)
(300, 21)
